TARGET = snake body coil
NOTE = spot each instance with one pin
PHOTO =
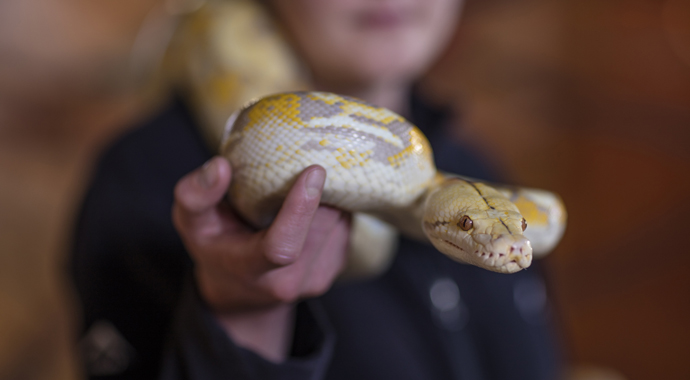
(380, 164)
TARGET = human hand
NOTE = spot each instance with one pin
(251, 278)
(239, 268)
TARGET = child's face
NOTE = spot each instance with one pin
(357, 42)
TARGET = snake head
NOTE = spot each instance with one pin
(474, 223)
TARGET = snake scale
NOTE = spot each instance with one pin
(379, 164)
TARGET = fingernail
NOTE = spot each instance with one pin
(284, 259)
(209, 174)
(314, 182)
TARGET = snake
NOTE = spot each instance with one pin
(381, 166)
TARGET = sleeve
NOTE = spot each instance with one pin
(200, 349)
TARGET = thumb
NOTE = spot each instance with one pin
(198, 194)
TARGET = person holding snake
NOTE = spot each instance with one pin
(271, 291)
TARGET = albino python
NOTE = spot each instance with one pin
(379, 164)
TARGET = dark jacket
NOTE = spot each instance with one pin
(426, 318)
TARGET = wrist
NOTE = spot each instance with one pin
(268, 332)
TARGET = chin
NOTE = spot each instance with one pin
(395, 68)
(399, 59)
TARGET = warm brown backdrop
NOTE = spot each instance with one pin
(590, 98)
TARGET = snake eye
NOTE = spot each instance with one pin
(465, 223)
(524, 224)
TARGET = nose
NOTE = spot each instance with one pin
(520, 251)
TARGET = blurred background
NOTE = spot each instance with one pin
(588, 98)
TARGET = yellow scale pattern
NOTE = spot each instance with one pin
(278, 141)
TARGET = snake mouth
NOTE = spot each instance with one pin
(497, 262)
(483, 255)
(453, 244)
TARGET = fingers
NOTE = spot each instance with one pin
(197, 196)
(324, 221)
(321, 259)
(332, 256)
(285, 238)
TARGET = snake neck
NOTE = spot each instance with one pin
(409, 220)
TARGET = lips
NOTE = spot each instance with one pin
(385, 18)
